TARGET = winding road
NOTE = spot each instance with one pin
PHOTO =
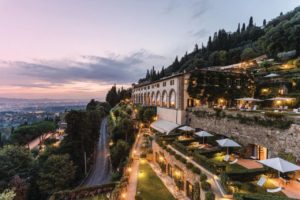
(100, 173)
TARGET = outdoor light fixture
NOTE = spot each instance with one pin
(161, 158)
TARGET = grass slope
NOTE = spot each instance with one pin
(150, 187)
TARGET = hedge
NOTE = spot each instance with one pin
(204, 162)
(205, 185)
(209, 196)
(242, 174)
(257, 196)
(180, 147)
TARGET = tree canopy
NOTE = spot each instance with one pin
(56, 174)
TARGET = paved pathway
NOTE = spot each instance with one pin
(100, 174)
(34, 143)
(133, 177)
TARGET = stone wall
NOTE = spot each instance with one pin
(275, 140)
(188, 174)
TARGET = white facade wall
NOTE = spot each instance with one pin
(156, 93)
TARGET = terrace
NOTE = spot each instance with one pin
(231, 170)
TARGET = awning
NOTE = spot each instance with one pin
(164, 126)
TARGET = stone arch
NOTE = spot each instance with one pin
(148, 99)
(172, 99)
(145, 99)
(153, 98)
(140, 98)
(158, 98)
(164, 100)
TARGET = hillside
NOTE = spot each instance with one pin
(281, 34)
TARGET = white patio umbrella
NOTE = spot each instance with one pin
(248, 99)
(272, 75)
(281, 99)
(203, 134)
(280, 165)
(227, 143)
(186, 128)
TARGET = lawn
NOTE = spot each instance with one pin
(150, 186)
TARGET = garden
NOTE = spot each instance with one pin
(235, 179)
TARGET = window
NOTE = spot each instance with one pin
(172, 82)
(164, 84)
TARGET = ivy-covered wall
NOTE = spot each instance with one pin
(209, 86)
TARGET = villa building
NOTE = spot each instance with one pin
(168, 94)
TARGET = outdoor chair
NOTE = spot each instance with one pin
(262, 180)
(226, 158)
(254, 108)
(233, 162)
(274, 190)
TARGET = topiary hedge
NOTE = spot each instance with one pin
(209, 196)
(257, 196)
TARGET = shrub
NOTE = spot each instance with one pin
(249, 187)
(209, 196)
(258, 196)
(189, 165)
(196, 170)
(203, 161)
(180, 147)
(183, 160)
(297, 62)
(203, 177)
(205, 185)
(274, 115)
(224, 180)
(196, 191)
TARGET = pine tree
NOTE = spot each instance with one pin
(162, 73)
(196, 49)
(243, 27)
(147, 75)
(250, 22)
(209, 43)
(264, 22)
(239, 28)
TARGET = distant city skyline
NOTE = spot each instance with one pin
(76, 49)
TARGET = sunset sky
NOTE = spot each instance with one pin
(76, 49)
